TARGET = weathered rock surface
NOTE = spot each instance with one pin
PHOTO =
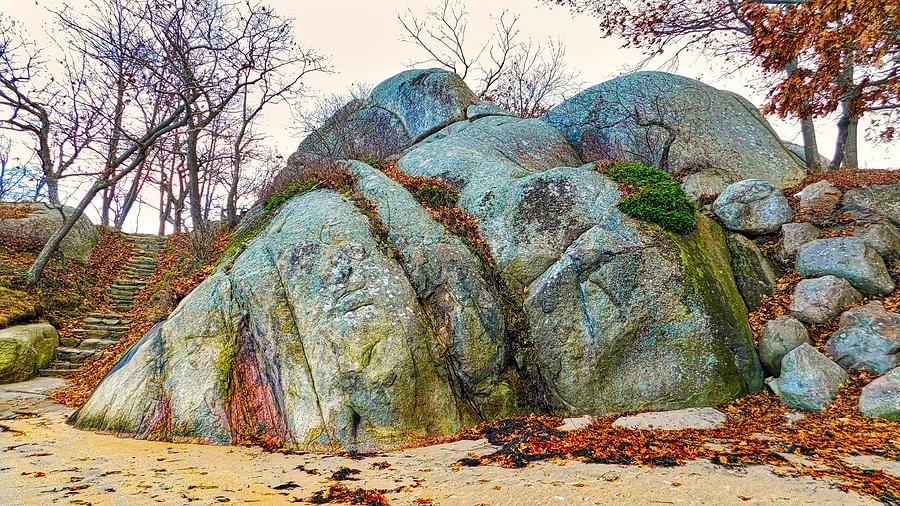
(868, 338)
(881, 397)
(753, 206)
(882, 237)
(818, 300)
(721, 137)
(324, 332)
(24, 349)
(616, 307)
(848, 258)
(42, 221)
(753, 272)
(874, 202)
(398, 112)
(795, 235)
(778, 338)
(681, 419)
(821, 197)
(809, 381)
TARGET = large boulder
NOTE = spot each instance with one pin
(848, 258)
(778, 338)
(622, 314)
(881, 397)
(358, 321)
(37, 221)
(876, 202)
(398, 112)
(868, 338)
(720, 138)
(753, 272)
(809, 381)
(818, 300)
(752, 206)
(25, 349)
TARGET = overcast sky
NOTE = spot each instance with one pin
(362, 42)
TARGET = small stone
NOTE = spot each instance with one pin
(809, 381)
(777, 338)
(753, 206)
(796, 235)
(848, 258)
(821, 197)
(881, 397)
(882, 237)
(575, 423)
(818, 300)
(689, 418)
(868, 338)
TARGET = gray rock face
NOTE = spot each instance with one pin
(611, 305)
(795, 235)
(868, 338)
(363, 325)
(809, 381)
(818, 300)
(882, 237)
(43, 220)
(24, 349)
(753, 206)
(821, 197)
(399, 111)
(848, 258)
(753, 272)
(721, 137)
(881, 397)
(681, 419)
(876, 201)
(778, 338)
(313, 338)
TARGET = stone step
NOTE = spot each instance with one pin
(106, 315)
(122, 307)
(73, 355)
(125, 292)
(125, 297)
(96, 344)
(85, 333)
(90, 327)
(52, 372)
(119, 321)
(128, 282)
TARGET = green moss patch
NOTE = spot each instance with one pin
(652, 195)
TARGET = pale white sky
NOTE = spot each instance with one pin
(362, 41)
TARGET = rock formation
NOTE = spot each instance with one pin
(359, 320)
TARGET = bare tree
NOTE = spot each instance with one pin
(217, 52)
(18, 182)
(523, 76)
(47, 109)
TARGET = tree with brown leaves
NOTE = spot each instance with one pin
(849, 54)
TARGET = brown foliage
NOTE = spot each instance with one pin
(846, 50)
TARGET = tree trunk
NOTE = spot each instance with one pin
(43, 258)
(851, 146)
(808, 130)
(845, 152)
(105, 205)
(193, 168)
(53, 192)
(130, 198)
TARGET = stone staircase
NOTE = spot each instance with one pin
(103, 329)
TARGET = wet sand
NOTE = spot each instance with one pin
(44, 461)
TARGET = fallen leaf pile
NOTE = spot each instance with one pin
(339, 493)
(756, 432)
(176, 275)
